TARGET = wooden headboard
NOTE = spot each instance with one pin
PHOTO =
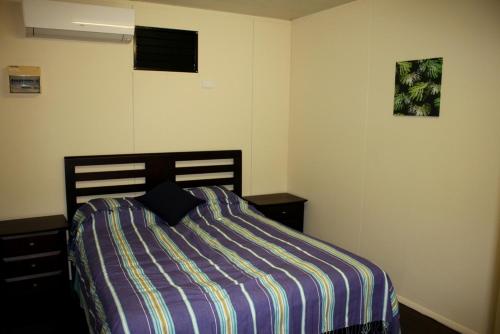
(128, 174)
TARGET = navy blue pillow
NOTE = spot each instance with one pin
(170, 202)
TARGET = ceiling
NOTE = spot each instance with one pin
(281, 9)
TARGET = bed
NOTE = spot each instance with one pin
(224, 268)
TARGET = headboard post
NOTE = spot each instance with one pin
(71, 204)
(237, 174)
(159, 169)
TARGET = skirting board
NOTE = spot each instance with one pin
(439, 318)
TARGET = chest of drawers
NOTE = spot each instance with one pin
(284, 208)
(33, 269)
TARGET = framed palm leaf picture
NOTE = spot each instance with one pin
(418, 87)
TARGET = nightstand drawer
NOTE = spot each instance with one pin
(21, 286)
(14, 267)
(283, 212)
(296, 224)
(31, 243)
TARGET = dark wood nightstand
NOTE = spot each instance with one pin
(285, 208)
(34, 283)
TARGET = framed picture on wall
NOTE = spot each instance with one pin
(418, 87)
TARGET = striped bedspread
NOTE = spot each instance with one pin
(223, 269)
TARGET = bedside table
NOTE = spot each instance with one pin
(34, 282)
(285, 208)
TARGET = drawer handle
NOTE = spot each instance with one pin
(32, 244)
(284, 212)
(33, 265)
(35, 285)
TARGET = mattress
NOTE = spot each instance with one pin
(224, 268)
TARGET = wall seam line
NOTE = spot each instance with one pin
(133, 111)
(289, 127)
(365, 126)
(252, 111)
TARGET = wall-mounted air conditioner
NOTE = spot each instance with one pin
(74, 20)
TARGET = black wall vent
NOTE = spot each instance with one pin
(159, 49)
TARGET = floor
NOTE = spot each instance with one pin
(413, 322)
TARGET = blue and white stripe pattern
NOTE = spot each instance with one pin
(223, 269)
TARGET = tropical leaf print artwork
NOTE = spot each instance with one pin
(418, 87)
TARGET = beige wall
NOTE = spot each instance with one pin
(92, 102)
(270, 117)
(328, 89)
(418, 196)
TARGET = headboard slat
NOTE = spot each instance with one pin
(121, 189)
(112, 175)
(206, 182)
(203, 169)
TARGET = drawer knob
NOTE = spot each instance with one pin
(33, 265)
(32, 244)
(35, 285)
(283, 212)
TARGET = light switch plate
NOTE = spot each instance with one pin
(208, 84)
